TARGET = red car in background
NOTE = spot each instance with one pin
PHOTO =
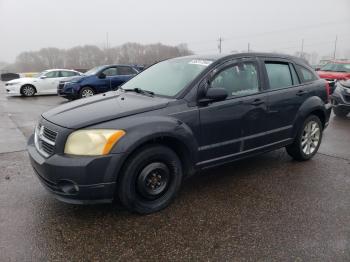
(334, 71)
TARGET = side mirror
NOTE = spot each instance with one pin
(102, 76)
(43, 77)
(213, 94)
(216, 94)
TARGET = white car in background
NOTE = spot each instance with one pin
(44, 83)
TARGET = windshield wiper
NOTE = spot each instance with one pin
(139, 91)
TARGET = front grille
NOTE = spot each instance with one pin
(45, 140)
(49, 134)
(60, 86)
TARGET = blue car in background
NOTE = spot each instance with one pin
(99, 79)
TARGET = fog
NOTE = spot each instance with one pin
(269, 25)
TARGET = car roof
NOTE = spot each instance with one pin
(217, 57)
(340, 61)
(118, 65)
(52, 70)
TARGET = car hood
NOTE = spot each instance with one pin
(75, 78)
(332, 75)
(112, 105)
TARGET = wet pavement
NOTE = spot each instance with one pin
(267, 208)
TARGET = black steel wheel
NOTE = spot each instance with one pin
(150, 179)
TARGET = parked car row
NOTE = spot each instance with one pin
(72, 84)
(335, 71)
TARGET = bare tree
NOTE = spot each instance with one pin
(88, 56)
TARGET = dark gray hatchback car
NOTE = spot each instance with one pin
(179, 116)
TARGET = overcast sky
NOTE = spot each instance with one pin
(269, 25)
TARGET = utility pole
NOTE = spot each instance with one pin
(302, 48)
(335, 46)
(107, 41)
(220, 44)
(248, 47)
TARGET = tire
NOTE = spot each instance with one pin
(150, 179)
(28, 90)
(340, 112)
(308, 140)
(86, 92)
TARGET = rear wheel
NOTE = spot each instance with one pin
(150, 179)
(86, 92)
(340, 112)
(308, 139)
(28, 90)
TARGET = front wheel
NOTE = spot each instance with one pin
(340, 112)
(150, 179)
(308, 139)
(28, 90)
(86, 92)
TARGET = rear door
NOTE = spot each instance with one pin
(286, 93)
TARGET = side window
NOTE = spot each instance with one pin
(67, 73)
(239, 79)
(52, 74)
(112, 71)
(279, 75)
(125, 70)
(306, 74)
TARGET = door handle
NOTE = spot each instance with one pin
(301, 92)
(257, 102)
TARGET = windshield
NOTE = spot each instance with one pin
(93, 71)
(169, 77)
(336, 67)
(40, 74)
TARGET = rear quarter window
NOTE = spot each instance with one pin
(306, 74)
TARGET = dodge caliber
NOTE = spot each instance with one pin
(137, 144)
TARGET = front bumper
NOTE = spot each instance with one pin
(76, 180)
(13, 89)
(68, 90)
(341, 100)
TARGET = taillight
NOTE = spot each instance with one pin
(328, 91)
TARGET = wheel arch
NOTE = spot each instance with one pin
(28, 84)
(312, 106)
(163, 130)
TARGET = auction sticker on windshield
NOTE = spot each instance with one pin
(200, 62)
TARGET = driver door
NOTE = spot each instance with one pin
(105, 84)
(48, 83)
(236, 125)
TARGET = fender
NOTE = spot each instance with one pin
(310, 105)
(142, 129)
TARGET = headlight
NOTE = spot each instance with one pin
(12, 83)
(92, 142)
